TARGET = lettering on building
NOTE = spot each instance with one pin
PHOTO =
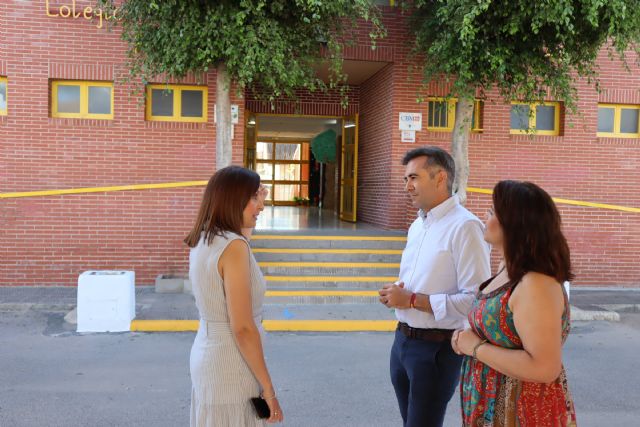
(75, 11)
(410, 121)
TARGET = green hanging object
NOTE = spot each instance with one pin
(323, 146)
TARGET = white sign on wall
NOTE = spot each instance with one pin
(410, 121)
(408, 136)
(234, 114)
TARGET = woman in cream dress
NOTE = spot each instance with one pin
(227, 360)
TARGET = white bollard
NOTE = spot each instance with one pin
(106, 301)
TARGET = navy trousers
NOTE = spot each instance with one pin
(424, 375)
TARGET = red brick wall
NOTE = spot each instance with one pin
(308, 103)
(50, 240)
(376, 203)
(575, 165)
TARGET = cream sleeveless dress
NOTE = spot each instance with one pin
(222, 383)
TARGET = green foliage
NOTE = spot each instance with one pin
(270, 45)
(523, 47)
(301, 200)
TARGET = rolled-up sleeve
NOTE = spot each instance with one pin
(471, 259)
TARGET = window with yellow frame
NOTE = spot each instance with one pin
(618, 120)
(79, 99)
(3, 96)
(537, 118)
(176, 103)
(441, 114)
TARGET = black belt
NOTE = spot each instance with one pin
(437, 335)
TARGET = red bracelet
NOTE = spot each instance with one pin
(412, 301)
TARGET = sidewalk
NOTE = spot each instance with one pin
(318, 313)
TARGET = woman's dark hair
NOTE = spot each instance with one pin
(531, 225)
(223, 203)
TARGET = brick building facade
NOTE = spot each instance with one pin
(49, 240)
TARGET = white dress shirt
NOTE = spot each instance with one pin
(446, 258)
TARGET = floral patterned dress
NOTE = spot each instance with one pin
(490, 398)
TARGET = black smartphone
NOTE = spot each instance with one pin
(261, 407)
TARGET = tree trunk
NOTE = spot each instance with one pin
(460, 146)
(223, 118)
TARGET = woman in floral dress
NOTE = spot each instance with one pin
(512, 374)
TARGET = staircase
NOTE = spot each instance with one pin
(344, 268)
(315, 283)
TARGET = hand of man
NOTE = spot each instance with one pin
(454, 342)
(393, 295)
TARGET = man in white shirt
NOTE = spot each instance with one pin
(444, 262)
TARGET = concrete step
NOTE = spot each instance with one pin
(182, 307)
(326, 255)
(285, 282)
(313, 273)
(330, 269)
(395, 242)
(328, 312)
(331, 232)
(324, 281)
(329, 261)
(319, 296)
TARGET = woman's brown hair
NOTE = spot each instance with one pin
(223, 203)
(532, 230)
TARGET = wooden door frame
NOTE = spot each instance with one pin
(354, 216)
(338, 160)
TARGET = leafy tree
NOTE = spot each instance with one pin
(526, 49)
(271, 45)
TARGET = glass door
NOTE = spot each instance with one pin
(283, 167)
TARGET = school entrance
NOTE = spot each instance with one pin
(309, 163)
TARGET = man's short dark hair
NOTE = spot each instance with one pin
(436, 156)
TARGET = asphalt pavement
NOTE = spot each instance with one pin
(53, 376)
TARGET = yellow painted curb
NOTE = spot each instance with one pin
(330, 279)
(273, 325)
(355, 238)
(321, 293)
(164, 325)
(327, 251)
(332, 264)
(330, 325)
